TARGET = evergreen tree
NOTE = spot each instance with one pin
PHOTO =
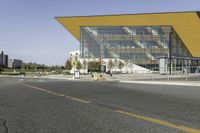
(68, 65)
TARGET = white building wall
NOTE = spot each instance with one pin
(10, 63)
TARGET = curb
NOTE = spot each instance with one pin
(161, 83)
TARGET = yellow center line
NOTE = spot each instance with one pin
(78, 99)
(44, 90)
(57, 94)
(160, 122)
(141, 117)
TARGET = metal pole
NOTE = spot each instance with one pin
(170, 52)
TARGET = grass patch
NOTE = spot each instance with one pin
(12, 73)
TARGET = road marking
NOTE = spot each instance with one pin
(41, 89)
(57, 94)
(160, 122)
(141, 117)
(78, 99)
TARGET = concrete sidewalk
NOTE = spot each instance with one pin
(120, 80)
(177, 83)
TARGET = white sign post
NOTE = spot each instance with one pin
(76, 75)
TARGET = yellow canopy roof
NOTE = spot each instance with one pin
(186, 25)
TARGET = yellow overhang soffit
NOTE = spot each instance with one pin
(186, 25)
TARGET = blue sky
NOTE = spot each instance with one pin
(29, 31)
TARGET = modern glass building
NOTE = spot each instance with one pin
(141, 39)
(141, 45)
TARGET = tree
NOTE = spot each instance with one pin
(120, 65)
(97, 66)
(116, 63)
(110, 64)
(84, 65)
(68, 65)
(94, 66)
(1, 69)
(90, 66)
(78, 65)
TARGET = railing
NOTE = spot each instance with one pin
(183, 73)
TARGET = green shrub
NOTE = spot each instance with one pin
(0, 69)
(11, 73)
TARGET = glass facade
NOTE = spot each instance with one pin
(198, 13)
(141, 45)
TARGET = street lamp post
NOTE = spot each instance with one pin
(101, 54)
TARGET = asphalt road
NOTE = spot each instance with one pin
(52, 106)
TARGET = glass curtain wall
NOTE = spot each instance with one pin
(141, 45)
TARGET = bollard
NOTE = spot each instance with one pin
(95, 76)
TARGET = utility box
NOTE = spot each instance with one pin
(163, 66)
